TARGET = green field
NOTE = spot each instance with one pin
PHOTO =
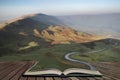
(110, 54)
(53, 56)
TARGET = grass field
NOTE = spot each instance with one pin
(53, 56)
(109, 55)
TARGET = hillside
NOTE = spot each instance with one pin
(23, 28)
(28, 22)
(41, 30)
(64, 35)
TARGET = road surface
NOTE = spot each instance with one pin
(67, 57)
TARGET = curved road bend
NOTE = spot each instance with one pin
(67, 57)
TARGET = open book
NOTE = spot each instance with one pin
(67, 72)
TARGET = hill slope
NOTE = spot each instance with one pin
(64, 35)
(39, 30)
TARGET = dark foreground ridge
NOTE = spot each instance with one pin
(15, 70)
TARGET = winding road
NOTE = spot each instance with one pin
(67, 57)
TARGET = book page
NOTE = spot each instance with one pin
(44, 72)
(81, 71)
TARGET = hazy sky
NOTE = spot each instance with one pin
(14, 8)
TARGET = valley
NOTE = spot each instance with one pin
(47, 39)
(107, 53)
(54, 56)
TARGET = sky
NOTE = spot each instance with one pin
(14, 8)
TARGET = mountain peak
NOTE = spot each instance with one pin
(39, 21)
(25, 16)
(47, 28)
